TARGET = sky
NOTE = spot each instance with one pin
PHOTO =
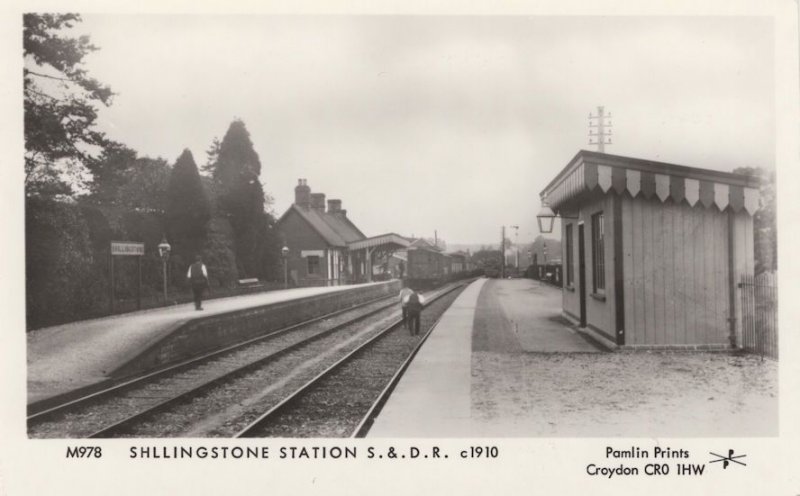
(447, 124)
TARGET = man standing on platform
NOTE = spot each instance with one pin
(198, 277)
(405, 292)
(413, 310)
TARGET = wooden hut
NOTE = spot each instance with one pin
(653, 252)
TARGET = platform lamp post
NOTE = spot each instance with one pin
(163, 250)
(285, 255)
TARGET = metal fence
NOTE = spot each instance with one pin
(760, 314)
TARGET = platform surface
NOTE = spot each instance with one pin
(435, 396)
(71, 356)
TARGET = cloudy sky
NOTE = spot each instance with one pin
(452, 124)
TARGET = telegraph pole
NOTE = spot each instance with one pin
(503, 252)
(602, 134)
(516, 242)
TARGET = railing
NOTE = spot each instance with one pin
(760, 314)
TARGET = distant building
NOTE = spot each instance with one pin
(317, 238)
(325, 246)
(652, 251)
(459, 261)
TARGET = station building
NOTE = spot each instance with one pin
(653, 251)
(324, 246)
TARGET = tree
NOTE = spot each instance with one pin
(240, 197)
(487, 258)
(59, 97)
(187, 207)
(765, 236)
(145, 186)
(212, 154)
(60, 284)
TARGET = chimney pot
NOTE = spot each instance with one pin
(334, 206)
(318, 201)
(302, 194)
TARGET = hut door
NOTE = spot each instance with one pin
(582, 275)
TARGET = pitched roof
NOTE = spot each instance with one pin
(593, 171)
(335, 228)
(423, 243)
(388, 240)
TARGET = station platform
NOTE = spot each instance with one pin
(439, 394)
(72, 356)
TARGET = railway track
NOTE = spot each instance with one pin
(92, 413)
(344, 399)
(216, 394)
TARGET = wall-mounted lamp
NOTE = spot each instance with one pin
(546, 217)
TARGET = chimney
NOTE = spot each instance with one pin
(334, 206)
(318, 201)
(302, 194)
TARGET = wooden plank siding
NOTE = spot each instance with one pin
(743, 261)
(668, 218)
(659, 299)
(636, 297)
(679, 286)
(628, 268)
(676, 273)
(722, 279)
(647, 273)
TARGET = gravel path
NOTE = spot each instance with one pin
(624, 394)
(539, 378)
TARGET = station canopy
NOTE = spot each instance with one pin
(390, 241)
(589, 172)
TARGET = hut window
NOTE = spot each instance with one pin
(569, 254)
(598, 256)
(313, 265)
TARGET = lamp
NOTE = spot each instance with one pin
(285, 255)
(163, 250)
(545, 218)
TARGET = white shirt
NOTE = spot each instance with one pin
(405, 293)
(202, 266)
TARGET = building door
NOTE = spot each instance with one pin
(582, 274)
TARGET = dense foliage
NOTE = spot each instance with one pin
(59, 101)
(84, 191)
(764, 221)
(236, 170)
(187, 208)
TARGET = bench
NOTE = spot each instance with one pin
(249, 282)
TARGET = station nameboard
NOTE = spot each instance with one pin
(120, 248)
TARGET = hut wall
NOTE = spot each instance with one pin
(676, 271)
(599, 307)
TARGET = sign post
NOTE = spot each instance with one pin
(127, 249)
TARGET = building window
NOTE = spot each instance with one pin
(313, 265)
(569, 255)
(598, 256)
